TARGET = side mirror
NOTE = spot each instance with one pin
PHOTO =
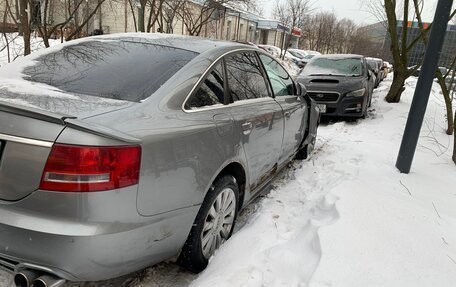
(301, 90)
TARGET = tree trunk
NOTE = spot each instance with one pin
(5, 15)
(76, 13)
(397, 87)
(448, 103)
(141, 16)
(399, 52)
(44, 31)
(78, 28)
(25, 26)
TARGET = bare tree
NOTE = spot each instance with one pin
(292, 13)
(362, 44)
(400, 46)
(25, 25)
(169, 13)
(440, 77)
(7, 17)
(196, 16)
(325, 33)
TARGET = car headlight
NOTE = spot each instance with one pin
(357, 93)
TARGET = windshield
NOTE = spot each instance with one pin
(334, 67)
(120, 70)
(296, 54)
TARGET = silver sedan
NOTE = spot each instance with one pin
(121, 151)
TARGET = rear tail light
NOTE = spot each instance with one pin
(72, 168)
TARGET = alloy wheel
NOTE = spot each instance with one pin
(219, 222)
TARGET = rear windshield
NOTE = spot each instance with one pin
(116, 69)
(372, 64)
(334, 67)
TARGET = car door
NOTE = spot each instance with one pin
(294, 106)
(258, 117)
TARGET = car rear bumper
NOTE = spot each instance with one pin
(97, 245)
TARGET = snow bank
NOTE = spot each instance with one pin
(392, 229)
(16, 44)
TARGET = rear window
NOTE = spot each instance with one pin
(334, 67)
(120, 70)
(372, 64)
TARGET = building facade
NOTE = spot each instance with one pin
(225, 22)
(379, 33)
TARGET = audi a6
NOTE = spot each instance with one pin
(121, 151)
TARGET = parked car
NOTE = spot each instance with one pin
(380, 66)
(450, 80)
(389, 66)
(310, 52)
(120, 151)
(302, 55)
(416, 72)
(297, 52)
(277, 52)
(340, 84)
(374, 68)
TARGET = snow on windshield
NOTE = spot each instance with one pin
(334, 67)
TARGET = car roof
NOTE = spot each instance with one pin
(190, 43)
(339, 56)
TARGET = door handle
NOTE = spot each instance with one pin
(287, 114)
(247, 128)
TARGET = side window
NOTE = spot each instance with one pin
(210, 92)
(281, 82)
(245, 77)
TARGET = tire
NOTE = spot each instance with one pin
(195, 254)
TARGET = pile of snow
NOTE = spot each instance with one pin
(394, 229)
(385, 229)
(291, 67)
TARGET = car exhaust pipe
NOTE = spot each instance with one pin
(25, 278)
(48, 281)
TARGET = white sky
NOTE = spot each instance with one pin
(352, 9)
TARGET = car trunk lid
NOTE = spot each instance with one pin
(26, 138)
(28, 131)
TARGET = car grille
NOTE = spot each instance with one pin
(324, 97)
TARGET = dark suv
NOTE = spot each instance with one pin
(342, 85)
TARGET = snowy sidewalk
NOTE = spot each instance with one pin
(388, 229)
(394, 230)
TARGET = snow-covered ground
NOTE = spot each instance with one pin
(16, 46)
(346, 217)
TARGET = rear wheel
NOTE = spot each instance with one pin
(213, 225)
